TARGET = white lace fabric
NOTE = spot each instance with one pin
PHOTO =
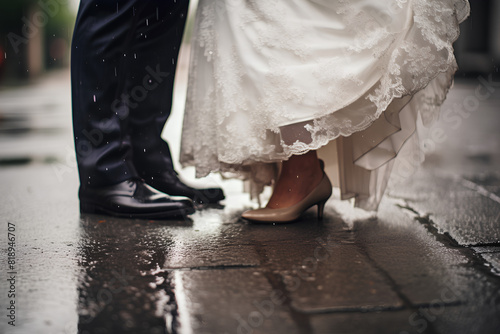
(273, 78)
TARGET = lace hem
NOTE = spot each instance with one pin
(249, 103)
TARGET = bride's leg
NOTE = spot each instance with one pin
(299, 176)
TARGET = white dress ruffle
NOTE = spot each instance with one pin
(271, 78)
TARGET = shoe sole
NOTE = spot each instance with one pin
(171, 214)
(270, 222)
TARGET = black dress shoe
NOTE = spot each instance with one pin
(133, 199)
(169, 183)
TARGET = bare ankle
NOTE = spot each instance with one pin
(299, 176)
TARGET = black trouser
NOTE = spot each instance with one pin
(124, 55)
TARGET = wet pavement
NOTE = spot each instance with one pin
(429, 262)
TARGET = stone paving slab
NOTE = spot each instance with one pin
(325, 286)
(210, 242)
(393, 322)
(469, 217)
(324, 246)
(316, 262)
(480, 315)
(46, 234)
(492, 249)
(230, 301)
(493, 259)
(489, 181)
(193, 250)
(211, 256)
(421, 267)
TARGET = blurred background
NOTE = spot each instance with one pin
(35, 36)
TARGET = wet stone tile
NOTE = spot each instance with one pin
(217, 238)
(422, 268)
(470, 218)
(237, 301)
(337, 278)
(209, 242)
(198, 254)
(480, 315)
(487, 249)
(306, 230)
(387, 322)
(316, 262)
(493, 259)
(490, 181)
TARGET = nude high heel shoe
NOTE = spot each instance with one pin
(318, 197)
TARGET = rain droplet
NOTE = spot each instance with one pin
(94, 98)
(115, 72)
(157, 16)
(135, 55)
(147, 22)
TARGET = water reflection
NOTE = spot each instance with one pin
(121, 289)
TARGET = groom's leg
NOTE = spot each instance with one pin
(151, 68)
(102, 41)
(151, 78)
(102, 76)
(124, 55)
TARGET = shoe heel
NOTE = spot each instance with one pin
(321, 209)
(87, 208)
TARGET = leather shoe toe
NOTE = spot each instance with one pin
(169, 183)
(133, 198)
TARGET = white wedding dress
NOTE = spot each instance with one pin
(274, 78)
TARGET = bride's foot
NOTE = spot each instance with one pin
(300, 175)
(302, 184)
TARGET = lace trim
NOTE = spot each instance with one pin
(223, 133)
